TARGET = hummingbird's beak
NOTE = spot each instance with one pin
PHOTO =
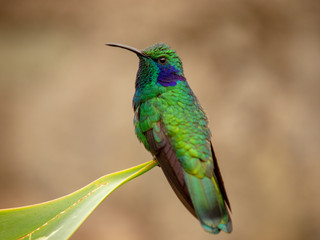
(132, 49)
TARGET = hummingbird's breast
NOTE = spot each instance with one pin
(184, 123)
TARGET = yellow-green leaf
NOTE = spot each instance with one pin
(58, 219)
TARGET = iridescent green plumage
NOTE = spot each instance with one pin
(171, 124)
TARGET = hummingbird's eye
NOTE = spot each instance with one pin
(162, 60)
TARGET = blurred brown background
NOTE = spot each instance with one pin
(66, 116)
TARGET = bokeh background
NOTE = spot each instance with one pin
(66, 115)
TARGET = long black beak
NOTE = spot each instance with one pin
(132, 49)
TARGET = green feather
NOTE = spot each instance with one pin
(208, 204)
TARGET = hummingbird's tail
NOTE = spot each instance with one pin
(208, 203)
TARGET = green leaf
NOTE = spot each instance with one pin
(58, 219)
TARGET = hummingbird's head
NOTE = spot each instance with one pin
(159, 65)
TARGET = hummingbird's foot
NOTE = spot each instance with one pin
(155, 159)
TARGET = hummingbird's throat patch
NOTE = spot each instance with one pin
(168, 76)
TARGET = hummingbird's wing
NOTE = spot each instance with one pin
(162, 149)
(218, 176)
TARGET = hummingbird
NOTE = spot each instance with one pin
(172, 125)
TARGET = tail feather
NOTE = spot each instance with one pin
(208, 204)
